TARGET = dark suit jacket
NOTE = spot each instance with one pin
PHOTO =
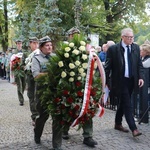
(115, 67)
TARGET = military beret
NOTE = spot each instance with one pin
(73, 31)
(44, 40)
(32, 39)
(18, 40)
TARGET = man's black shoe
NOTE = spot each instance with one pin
(65, 135)
(89, 142)
(37, 140)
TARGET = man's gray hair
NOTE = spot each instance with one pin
(125, 30)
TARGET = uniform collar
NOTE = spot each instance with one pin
(43, 55)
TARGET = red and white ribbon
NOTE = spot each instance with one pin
(87, 90)
(100, 111)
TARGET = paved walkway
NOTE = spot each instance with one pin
(16, 131)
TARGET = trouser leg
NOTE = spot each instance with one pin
(40, 121)
(31, 95)
(126, 103)
(20, 90)
(88, 129)
(128, 111)
(56, 133)
(119, 114)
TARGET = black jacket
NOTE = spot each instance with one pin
(115, 67)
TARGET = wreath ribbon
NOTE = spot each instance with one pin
(87, 89)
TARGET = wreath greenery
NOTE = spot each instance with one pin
(63, 88)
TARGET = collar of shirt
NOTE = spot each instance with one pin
(19, 51)
(42, 54)
(125, 46)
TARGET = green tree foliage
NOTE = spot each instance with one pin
(43, 20)
(105, 17)
(46, 21)
(22, 10)
(67, 7)
(143, 33)
(4, 24)
(108, 17)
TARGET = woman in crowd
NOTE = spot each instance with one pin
(144, 97)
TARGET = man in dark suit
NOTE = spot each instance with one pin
(124, 68)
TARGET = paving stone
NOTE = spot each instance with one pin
(16, 130)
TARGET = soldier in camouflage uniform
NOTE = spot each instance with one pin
(33, 43)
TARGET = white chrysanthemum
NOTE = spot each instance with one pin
(82, 43)
(71, 65)
(75, 51)
(82, 48)
(71, 44)
(72, 73)
(79, 78)
(83, 74)
(66, 42)
(81, 70)
(60, 64)
(77, 63)
(71, 79)
(84, 56)
(66, 55)
(84, 65)
(67, 49)
(63, 74)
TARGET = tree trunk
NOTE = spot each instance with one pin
(4, 30)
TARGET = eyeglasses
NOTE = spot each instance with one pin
(129, 37)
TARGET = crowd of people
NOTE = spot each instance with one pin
(127, 68)
(4, 64)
